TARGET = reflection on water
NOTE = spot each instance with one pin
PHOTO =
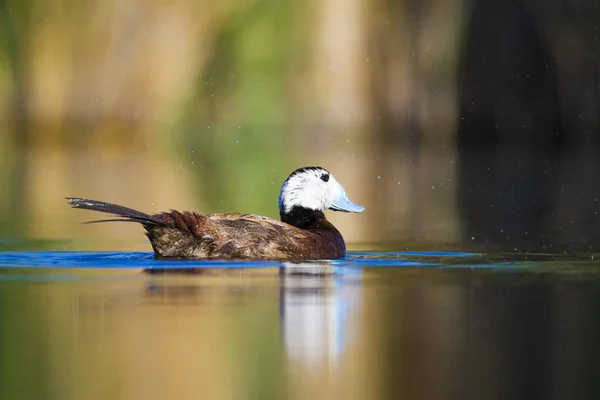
(317, 309)
(337, 330)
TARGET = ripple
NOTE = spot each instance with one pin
(143, 260)
(352, 261)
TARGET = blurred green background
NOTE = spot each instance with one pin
(436, 115)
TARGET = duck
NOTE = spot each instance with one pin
(303, 233)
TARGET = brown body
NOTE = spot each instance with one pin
(229, 236)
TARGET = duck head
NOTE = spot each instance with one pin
(309, 191)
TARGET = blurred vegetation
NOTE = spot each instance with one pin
(422, 110)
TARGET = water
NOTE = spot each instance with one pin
(92, 325)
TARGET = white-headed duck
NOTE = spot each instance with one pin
(303, 232)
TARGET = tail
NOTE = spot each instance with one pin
(172, 234)
(125, 214)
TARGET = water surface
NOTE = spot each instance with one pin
(92, 325)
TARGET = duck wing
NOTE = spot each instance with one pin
(255, 236)
(240, 236)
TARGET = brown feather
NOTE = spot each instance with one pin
(229, 236)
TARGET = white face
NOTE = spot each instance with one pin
(316, 189)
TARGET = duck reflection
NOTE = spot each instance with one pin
(315, 304)
(219, 286)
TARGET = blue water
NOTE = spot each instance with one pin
(352, 261)
(144, 260)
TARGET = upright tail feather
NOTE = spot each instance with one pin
(128, 214)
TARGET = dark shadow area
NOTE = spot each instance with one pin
(528, 140)
(492, 337)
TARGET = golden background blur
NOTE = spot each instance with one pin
(210, 105)
(452, 122)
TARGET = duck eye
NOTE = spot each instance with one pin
(325, 177)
